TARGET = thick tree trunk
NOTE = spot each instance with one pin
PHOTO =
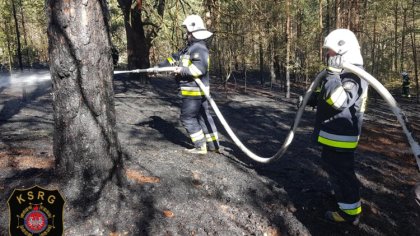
(137, 47)
(86, 146)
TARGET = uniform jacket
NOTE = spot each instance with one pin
(341, 105)
(194, 59)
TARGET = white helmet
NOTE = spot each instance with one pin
(195, 25)
(344, 43)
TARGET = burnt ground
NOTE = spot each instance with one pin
(174, 193)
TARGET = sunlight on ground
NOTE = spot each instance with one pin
(23, 159)
(140, 178)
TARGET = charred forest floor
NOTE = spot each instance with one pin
(175, 193)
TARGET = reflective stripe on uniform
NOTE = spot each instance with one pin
(340, 141)
(212, 137)
(330, 68)
(186, 61)
(191, 91)
(197, 136)
(364, 100)
(338, 97)
(195, 71)
(351, 209)
(171, 60)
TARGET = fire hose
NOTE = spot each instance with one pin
(415, 148)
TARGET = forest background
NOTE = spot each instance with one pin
(281, 40)
(271, 44)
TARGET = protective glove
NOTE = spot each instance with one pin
(335, 64)
(178, 70)
(313, 100)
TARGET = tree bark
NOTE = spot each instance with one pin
(9, 46)
(288, 48)
(19, 47)
(137, 48)
(375, 17)
(86, 147)
(272, 64)
(328, 18)
(362, 25)
(25, 37)
(261, 56)
(394, 57)
(337, 14)
(403, 32)
(321, 30)
(414, 47)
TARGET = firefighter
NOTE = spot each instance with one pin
(193, 62)
(405, 85)
(340, 107)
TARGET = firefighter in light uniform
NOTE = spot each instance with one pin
(341, 104)
(193, 62)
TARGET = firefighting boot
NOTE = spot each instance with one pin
(216, 150)
(198, 150)
(211, 147)
(336, 216)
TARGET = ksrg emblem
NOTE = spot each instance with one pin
(35, 211)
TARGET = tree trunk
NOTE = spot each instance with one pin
(137, 48)
(19, 47)
(9, 46)
(394, 57)
(86, 147)
(414, 47)
(328, 21)
(413, 42)
(404, 29)
(321, 30)
(354, 17)
(25, 38)
(261, 53)
(288, 48)
(362, 25)
(375, 17)
(337, 14)
(272, 64)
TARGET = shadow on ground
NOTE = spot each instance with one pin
(173, 193)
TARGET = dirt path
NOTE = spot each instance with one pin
(219, 194)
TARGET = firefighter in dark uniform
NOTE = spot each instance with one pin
(405, 85)
(193, 62)
(340, 107)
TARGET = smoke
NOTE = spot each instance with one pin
(24, 78)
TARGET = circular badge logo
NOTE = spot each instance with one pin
(36, 221)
